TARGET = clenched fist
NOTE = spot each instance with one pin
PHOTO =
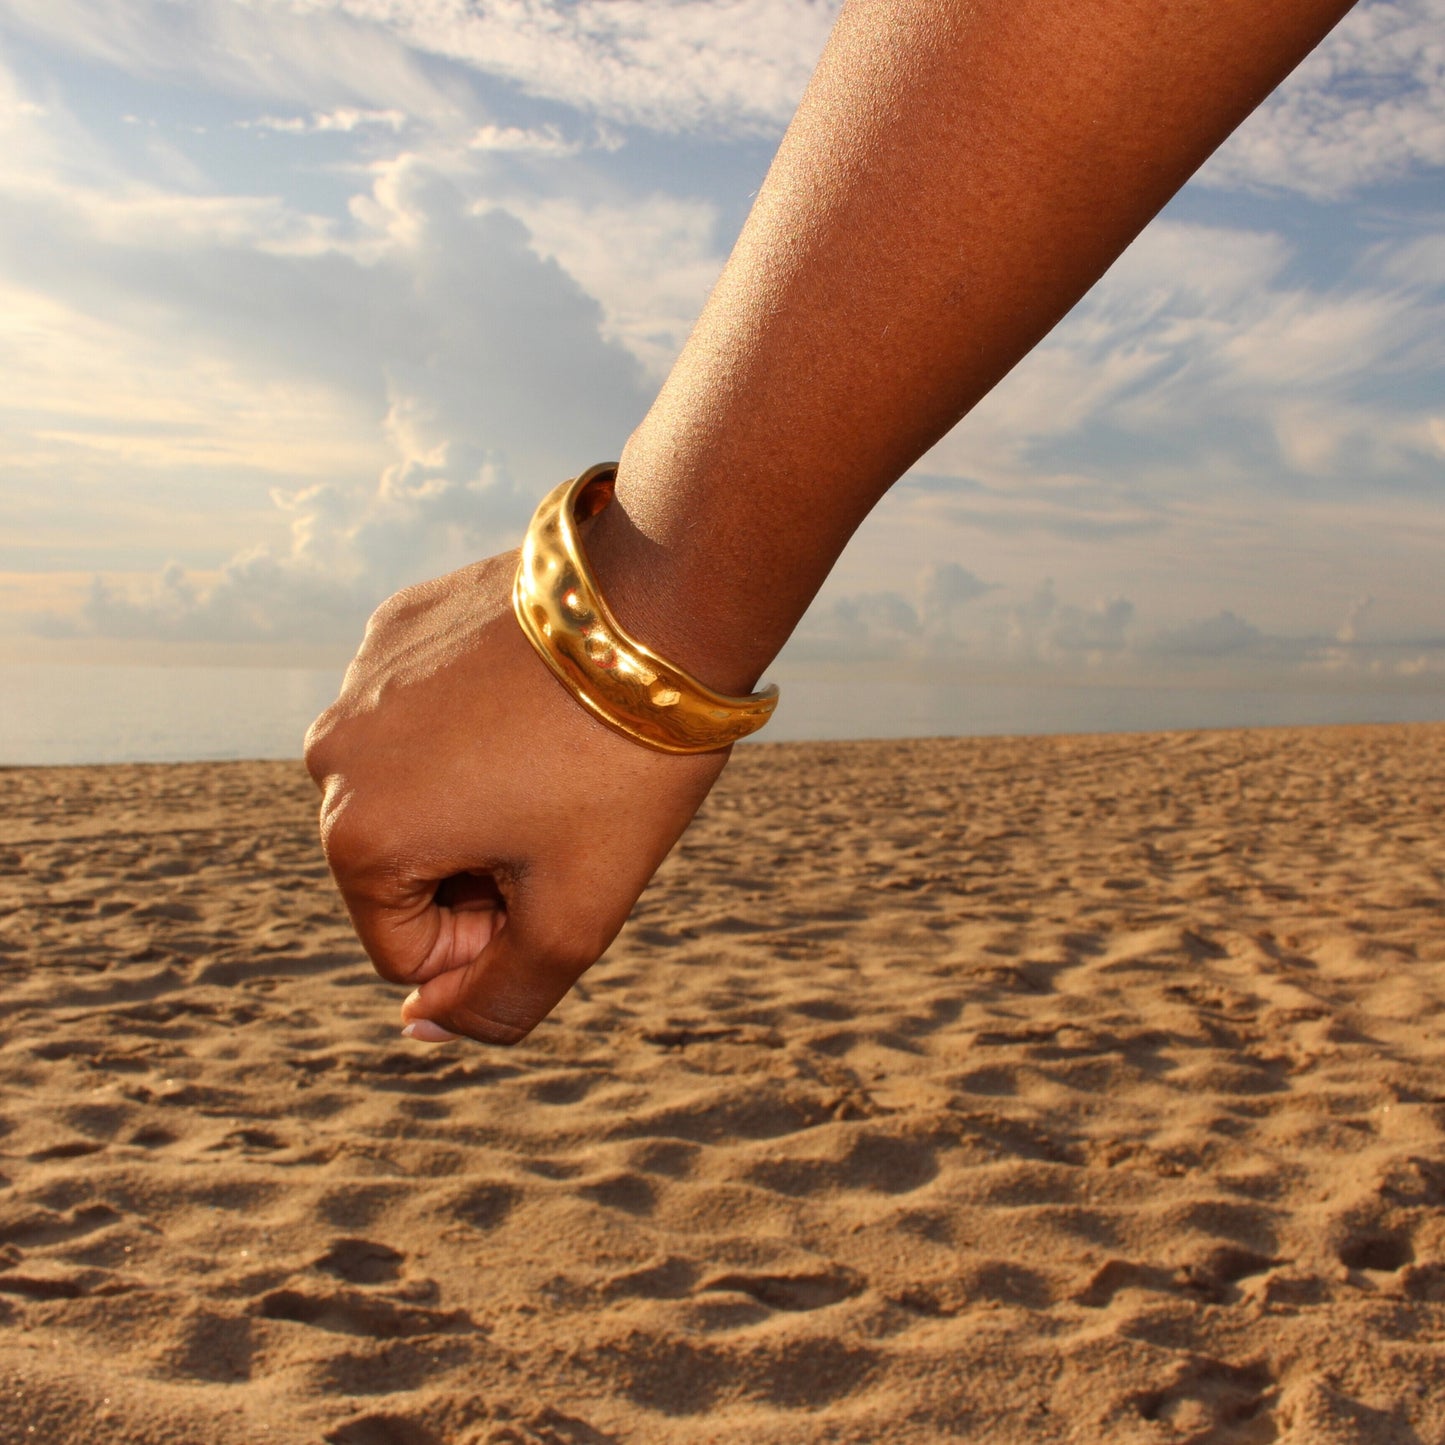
(488, 835)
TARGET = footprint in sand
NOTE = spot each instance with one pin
(812, 1290)
(1379, 1253)
(361, 1261)
(350, 1312)
(1212, 1400)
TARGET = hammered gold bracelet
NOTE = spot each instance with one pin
(614, 676)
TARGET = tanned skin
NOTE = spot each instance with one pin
(958, 174)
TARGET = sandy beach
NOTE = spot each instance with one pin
(1055, 1090)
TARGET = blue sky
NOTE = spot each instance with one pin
(302, 300)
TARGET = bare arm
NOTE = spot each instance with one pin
(956, 178)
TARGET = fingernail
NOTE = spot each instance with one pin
(410, 999)
(424, 1031)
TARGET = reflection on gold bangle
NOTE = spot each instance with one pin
(617, 678)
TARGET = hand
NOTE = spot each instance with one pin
(488, 835)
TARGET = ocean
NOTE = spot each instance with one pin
(59, 714)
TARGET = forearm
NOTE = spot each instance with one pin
(957, 176)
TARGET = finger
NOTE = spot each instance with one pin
(504, 993)
(410, 937)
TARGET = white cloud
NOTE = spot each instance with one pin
(155, 342)
(109, 398)
(945, 589)
(1217, 636)
(497, 383)
(1417, 263)
(430, 513)
(545, 140)
(1037, 631)
(948, 620)
(435, 508)
(344, 120)
(1199, 350)
(1367, 107)
(315, 57)
(858, 625)
(650, 262)
(1045, 629)
(736, 66)
(1178, 292)
(1353, 626)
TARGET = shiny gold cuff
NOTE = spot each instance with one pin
(615, 677)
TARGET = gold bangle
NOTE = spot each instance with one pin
(615, 677)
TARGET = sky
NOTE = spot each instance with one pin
(304, 300)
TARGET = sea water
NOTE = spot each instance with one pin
(112, 714)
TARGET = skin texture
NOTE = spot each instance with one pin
(957, 176)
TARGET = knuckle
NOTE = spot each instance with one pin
(393, 611)
(383, 614)
(319, 748)
(347, 837)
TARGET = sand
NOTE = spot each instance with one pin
(1077, 1090)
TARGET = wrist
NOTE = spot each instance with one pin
(560, 605)
(671, 591)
